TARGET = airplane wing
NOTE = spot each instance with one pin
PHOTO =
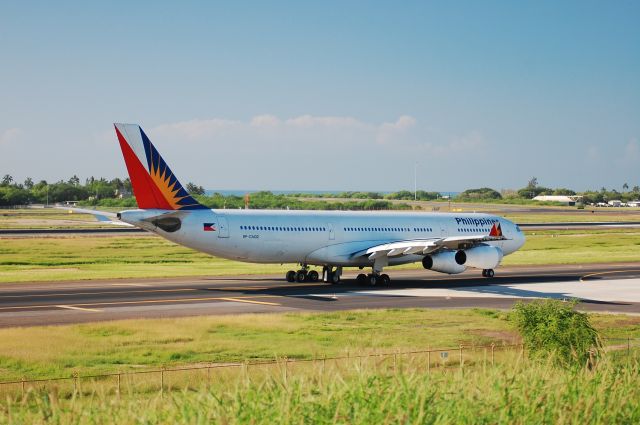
(426, 246)
(105, 217)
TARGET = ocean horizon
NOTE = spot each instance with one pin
(241, 192)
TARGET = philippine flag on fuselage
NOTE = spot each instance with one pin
(209, 227)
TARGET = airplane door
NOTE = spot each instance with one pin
(443, 229)
(332, 233)
(223, 227)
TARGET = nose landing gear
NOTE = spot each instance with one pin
(488, 273)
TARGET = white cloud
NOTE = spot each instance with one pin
(308, 121)
(10, 135)
(265, 121)
(196, 129)
(389, 131)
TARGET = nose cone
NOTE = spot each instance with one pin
(520, 239)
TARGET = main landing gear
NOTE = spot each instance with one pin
(488, 273)
(302, 275)
(329, 275)
(373, 279)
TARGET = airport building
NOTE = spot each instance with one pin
(568, 200)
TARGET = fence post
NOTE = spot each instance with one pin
(118, 383)
(460, 356)
(628, 347)
(162, 382)
(209, 375)
(23, 379)
(75, 382)
(493, 356)
(429, 361)
(286, 368)
(395, 362)
(484, 358)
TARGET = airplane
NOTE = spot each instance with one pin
(443, 242)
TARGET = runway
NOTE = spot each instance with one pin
(601, 287)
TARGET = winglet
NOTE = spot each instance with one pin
(496, 230)
(154, 184)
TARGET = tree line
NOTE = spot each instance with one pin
(118, 193)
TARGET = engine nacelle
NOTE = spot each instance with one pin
(480, 257)
(443, 262)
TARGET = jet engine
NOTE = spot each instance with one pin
(480, 257)
(443, 262)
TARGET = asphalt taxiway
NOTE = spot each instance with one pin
(599, 287)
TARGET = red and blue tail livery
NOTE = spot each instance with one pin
(154, 184)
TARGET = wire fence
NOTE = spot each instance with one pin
(195, 376)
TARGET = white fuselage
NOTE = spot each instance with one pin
(317, 237)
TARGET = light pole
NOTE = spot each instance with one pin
(415, 181)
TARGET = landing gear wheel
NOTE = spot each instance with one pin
(301, 276)
(361, 279)
(291, 276)
(334, 278)
(313, 276)
(373, 279)
(385, 280)
(488, 273)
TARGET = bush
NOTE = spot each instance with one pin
(554, 328)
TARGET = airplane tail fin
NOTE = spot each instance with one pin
(154, 184)
(496, 230)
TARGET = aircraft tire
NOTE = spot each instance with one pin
(490, 273)
(313, 276)
(301, 276)
(361, 279)
(334, 278)
(385, 279)
(373, 280)
(291, 276)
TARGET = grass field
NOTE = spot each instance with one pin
(354, 391)
(50, 351)
(513, 393)
(103, 257)
(44, 218)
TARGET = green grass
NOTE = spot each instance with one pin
(516, 391)
(44, 218)
(577, 247)
(108, 347)
(50, 351)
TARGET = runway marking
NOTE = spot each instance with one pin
(68, 294)
(249, 301)
(177, 300)
(609, 272)
(239, 288)
(71, 307)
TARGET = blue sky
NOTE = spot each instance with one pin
(340, 95)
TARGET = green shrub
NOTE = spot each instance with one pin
(552, 328)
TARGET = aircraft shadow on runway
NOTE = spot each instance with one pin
(499, 286)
